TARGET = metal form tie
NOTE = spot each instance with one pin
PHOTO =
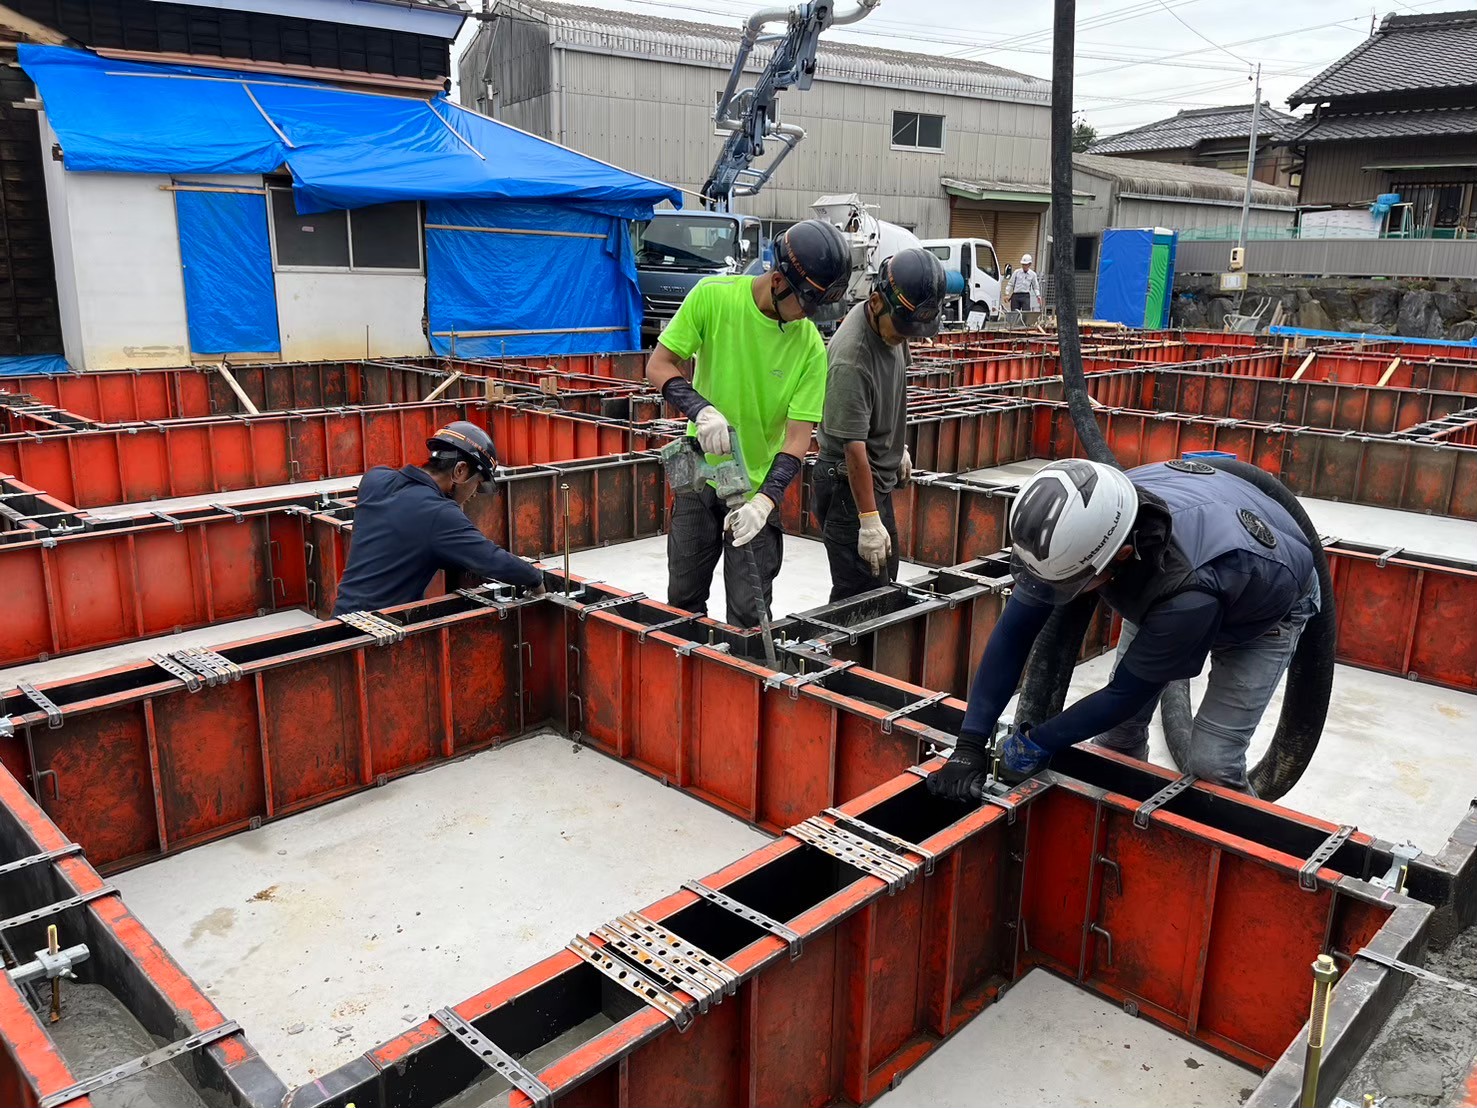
(634, 981)
(1160, 799)
(42, 701)
(37, 859)
(609, 602)
(215, 668)
(60, 906)
(792, 938)
(650, 627)
(192, 680)
(377, 627)
(908, 709)
(494, 1057)
(1420, 973)
(793, 683)
(1308, 873)
(859, 853)
(665, 958)
(864, 830)
(139, 1065)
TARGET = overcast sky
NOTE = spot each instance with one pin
(1137, 60)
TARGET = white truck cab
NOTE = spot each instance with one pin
(974, 273)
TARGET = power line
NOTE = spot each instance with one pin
(1180, 20)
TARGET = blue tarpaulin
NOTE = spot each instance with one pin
(344, 149)
(230, 298)
(494, 280)
(24, 365)
(1123, 275)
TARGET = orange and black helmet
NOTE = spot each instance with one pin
(465, 442)
(814, 259)
(913, 283)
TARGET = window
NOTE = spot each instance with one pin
(916, 131)
(1083, 249)
(940, 252)
(385, 238)
(984, 257)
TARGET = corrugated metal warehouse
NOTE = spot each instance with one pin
(639, 92)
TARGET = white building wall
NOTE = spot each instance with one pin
(325, 316)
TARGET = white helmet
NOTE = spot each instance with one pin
(1067, 524)
(1025, 259)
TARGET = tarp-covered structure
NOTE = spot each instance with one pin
(523, 236)
(1135, 276)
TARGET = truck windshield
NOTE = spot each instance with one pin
(680, 243)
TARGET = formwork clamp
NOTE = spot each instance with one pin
(494, 1057)
(792, 938)
(377, 627)
(1308, 872)
(908, 709)
(650, 627)
(668, 959)
(239, 517)
(139, 1065)
(686, 649)
(1400, 858)
(215, 668)
(794, 682)
(608, 602)
(1160, 799)
(42, 701)
(859, 853)
(7, 728)
(192, 680)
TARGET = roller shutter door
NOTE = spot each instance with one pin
(971, 223)
(1016, 234)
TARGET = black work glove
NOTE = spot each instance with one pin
(966, 768)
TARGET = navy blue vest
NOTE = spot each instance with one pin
(1225, 538)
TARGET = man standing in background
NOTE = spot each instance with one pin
(1024, 287)
(863, 447)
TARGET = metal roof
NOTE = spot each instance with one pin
(1187, 129)
(1415, 123)
(457, 6)
(604, 31)
(1409, 53)
(1179, 182)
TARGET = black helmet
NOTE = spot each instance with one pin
(815, 261)
(912, 282)
(466, 442)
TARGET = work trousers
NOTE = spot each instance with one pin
(836, 511)
(695, 542)
(1020, 301)
(1243, 679)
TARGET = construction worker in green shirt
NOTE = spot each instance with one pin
(761, 370)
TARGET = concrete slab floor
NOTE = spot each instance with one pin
(1048, 1043)
(1418, 533)
(110, 657)
(1397, 758)
(345, 485)
(329, 932)
(804, 580)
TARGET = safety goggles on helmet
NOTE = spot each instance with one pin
(913, 321)
(1034, 587)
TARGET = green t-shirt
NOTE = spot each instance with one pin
(757, 375)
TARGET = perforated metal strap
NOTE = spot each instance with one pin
(1160, 799)
(52, 909)
(908, 709)
(1420, 973)
(667, 959)
(37, 859)
(856, 852)
(42, 701)
(791, 937)
(862, 829)
(1308, 874)
(139, 1065)
(216, 669)
(495, 1058)
(634, 981)
(650, 627)
(794, 682)
(377, 627)
(609, 602)
(191, 679)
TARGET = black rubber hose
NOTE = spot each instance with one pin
(1310, 676)
(1179, 720)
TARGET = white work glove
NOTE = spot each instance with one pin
(873, 543)
(712, 431)
(748, 521)
(905, 471)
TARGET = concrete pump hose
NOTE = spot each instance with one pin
(1310, 676)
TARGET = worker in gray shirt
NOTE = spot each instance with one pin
(863, 447)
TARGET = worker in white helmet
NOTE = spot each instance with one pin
(1201, 565)
(1024, 287)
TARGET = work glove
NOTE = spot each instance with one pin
(712, 431)
(748, 521)
(1020, 757)
(960, 777)
(905, 471)
(873, 543)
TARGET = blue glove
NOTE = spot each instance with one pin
(1020, 757)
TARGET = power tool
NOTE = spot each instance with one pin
(688, 470)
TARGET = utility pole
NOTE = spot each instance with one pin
(1256, 111)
